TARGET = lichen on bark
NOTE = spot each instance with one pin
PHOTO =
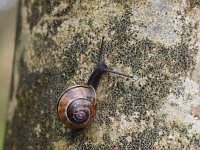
(57, 47)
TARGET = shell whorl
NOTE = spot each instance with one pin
(77, 106)
(79, 111)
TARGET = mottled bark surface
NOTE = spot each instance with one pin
(57, 46)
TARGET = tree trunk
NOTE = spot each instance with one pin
(57, 46)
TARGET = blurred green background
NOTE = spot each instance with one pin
(7, 37)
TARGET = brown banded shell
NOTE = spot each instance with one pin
(77, 106)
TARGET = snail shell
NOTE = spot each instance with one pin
(77, 106)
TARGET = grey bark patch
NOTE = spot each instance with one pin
(42, 44)
(194, 3)
(143, 53)
(67, 9)
(149, 96)
(38, 9)
(30, 96)
(53, 26)
(35, 15)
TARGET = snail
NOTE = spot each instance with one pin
(76, 106)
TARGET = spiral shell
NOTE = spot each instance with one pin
(77, 106)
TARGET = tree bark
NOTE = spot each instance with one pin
(57, 46)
